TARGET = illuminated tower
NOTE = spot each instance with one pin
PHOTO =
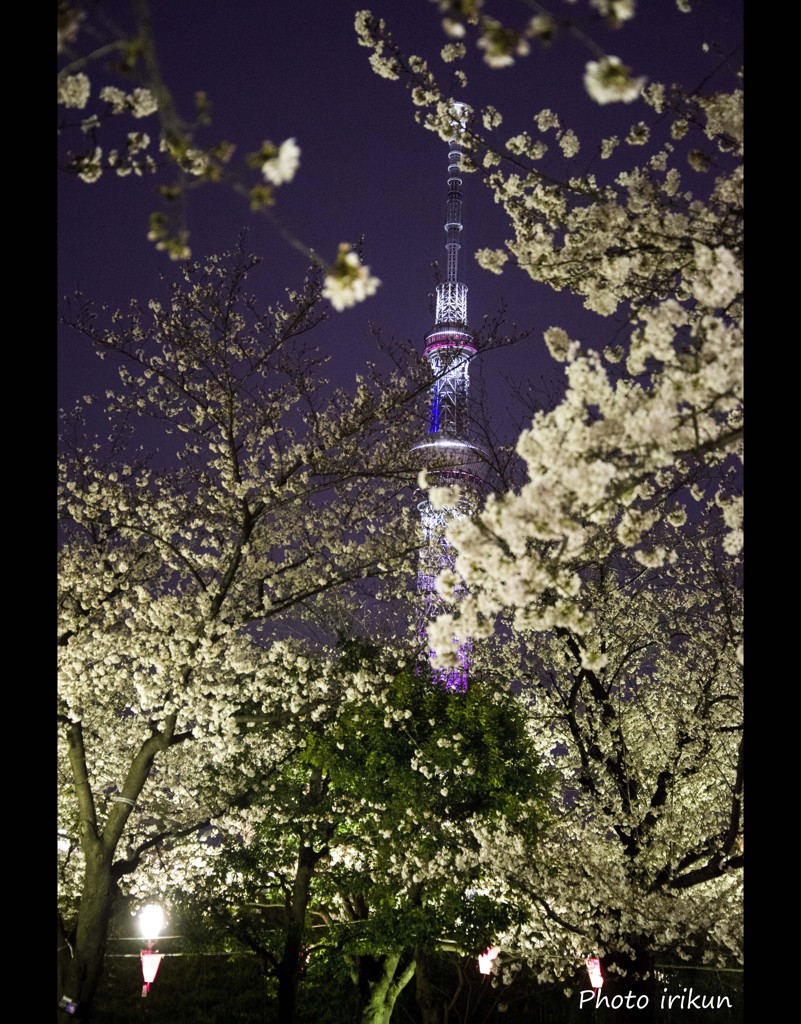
(447, 453)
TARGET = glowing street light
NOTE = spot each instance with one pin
(151, 923)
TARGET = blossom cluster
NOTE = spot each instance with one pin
(348, 281)
(281, 163)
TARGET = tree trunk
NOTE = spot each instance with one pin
(633, 997)
(430, 1008)
(289, 968)
(379, 988)
(80, 964)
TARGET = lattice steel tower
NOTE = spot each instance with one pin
(447, 453)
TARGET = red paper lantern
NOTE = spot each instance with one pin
(594, 971)
(150, 968)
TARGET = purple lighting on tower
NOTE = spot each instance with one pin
(447, 454)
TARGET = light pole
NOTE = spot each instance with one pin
(151, 922)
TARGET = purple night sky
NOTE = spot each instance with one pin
(286, 68)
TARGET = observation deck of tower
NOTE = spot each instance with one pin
(447, 454)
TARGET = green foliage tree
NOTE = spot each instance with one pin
(367, 847)
(417, 886)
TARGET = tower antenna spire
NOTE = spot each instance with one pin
(453, 225)
(447, 453)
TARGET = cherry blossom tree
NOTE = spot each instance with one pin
(643, 865)
(638, 416)
(235, 494)
(614, 569)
